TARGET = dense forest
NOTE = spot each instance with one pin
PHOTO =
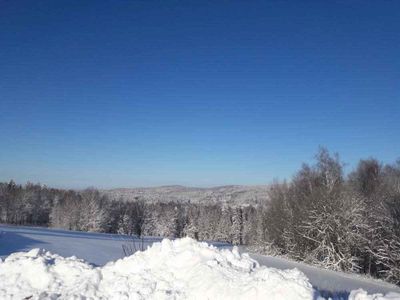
(321, 216)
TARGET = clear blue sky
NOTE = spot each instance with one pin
(142, 93)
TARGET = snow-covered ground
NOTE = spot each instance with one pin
(333, 284)
(95, 248)
(179, 269)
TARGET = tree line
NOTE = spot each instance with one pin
(348, 223)
(321, 216)
(89, 210)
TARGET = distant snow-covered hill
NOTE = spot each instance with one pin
(231, 194)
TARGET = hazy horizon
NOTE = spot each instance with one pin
(133, 187)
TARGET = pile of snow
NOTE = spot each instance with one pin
(362, 295)
(180, 269)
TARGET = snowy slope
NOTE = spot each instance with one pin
(100, 248)
(96, 248)
(329, 283)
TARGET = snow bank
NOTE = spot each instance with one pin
(362, 295)
(180, 269)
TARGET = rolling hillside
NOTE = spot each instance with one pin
(232, 194)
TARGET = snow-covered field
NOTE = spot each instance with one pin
(95, 248)
(181, 269)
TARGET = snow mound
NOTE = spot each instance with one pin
(180, 269)
(362, 295)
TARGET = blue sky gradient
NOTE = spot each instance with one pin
(143, 93)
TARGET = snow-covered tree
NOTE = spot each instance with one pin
(224, 226)
(237, 226)
(93, 216)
